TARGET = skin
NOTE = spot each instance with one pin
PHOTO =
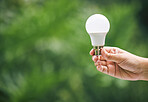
(121, 64)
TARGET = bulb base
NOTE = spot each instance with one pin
(98, 39)
(98, 50)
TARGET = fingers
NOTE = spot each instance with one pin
(107, 70)
(113, 50)
(102, 66)
(104, 63)
(92, 52)
(110, 56)
(98, 58)
(101, 58)
(95, 58)
(102, 69)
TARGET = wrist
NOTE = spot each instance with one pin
(144, 68)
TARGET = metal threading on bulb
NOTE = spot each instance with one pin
(98, 50)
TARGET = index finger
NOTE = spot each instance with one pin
(92, 52)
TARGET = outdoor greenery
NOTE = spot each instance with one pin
(44, 50)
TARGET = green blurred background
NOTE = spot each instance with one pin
(44, 50)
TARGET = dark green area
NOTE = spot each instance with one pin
(44, 50)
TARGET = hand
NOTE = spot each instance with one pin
(118, 63)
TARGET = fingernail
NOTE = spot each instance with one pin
(101, 68)
(98, 68)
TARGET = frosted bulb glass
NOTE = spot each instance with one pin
(97, 27)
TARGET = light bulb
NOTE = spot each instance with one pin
(97, 27)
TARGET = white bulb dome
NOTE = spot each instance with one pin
(97, 23)
(97, 26)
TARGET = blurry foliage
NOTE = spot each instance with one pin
(44, 52)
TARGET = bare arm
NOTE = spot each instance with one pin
(144, 67)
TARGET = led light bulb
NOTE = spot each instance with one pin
(97, 27)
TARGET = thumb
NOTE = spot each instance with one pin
(118, 58)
